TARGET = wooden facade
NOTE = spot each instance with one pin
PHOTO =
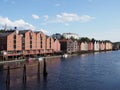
(27, 42)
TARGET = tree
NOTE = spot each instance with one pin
(84, 39)
(72, 38)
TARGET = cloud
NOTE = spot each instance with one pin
(72, 17)
(34, 16)
(17, 23)
(46, 17)
(68, 18)
(44, 31)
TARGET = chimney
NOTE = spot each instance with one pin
(15, 28)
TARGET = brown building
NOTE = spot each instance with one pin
(66, 45)
(56, 46)
(75, 46)
(28, 42)
(49, 44)
(10, 43)
(41, 43)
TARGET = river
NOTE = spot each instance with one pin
(98, 71)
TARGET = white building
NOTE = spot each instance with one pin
(84, 46)
(69, 35)
(96, 46)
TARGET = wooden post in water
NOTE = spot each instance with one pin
(8, 78)
(38, 73)
(1, 67)
(38, 68)
(44, 68)
(24, 73)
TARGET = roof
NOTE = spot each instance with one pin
(23, 31)
(63, 40)
(38, 32)
(5, 34)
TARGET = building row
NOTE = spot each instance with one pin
(27, 42)
(71, 46)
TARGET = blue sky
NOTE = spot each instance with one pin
(99, 19)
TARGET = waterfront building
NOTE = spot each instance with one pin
(84, 46)
(101, 46)
(28, 42)
(75, 46)
(108, 45)
(49, 44)
(90, 46)
(67, 45)
(71, 35)
(10, 43)
(96, 46)
(56, 46)
(41, 43)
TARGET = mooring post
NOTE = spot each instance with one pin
(38, 73)
(24, 73)
(44, 68)
(38, 69)
(8, 78)
(1, 67)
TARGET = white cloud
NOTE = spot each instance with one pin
(46, 17)
(72, 17)
(18, 23)
(44, 31)
(34, 16)
(67, 18)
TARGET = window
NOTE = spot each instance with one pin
(14, 47)
(30, 46)
(41, 46)
(14, 37)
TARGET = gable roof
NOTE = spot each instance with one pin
(23, 31)
(5, 34)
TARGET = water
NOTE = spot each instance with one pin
(99, 71)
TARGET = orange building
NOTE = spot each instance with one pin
(41, 42)
(49, 45)
(28, 42)
(56, 46)
(10, 43)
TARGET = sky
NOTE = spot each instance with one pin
(99, 19)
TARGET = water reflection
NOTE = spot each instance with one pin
(87, 72)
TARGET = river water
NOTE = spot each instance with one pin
(98, 71)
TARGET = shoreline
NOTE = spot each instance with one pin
(51, 56)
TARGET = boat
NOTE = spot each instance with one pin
(40, 59)
(65, 56)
